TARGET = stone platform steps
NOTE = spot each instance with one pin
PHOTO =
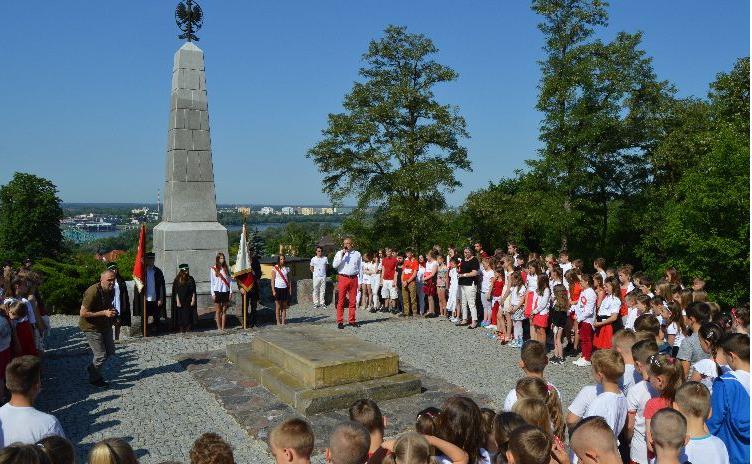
(316, 369)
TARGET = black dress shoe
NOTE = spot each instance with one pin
(99, 383)
(340, 325)
(354, 324)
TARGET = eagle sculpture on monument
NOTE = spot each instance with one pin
(189, 17)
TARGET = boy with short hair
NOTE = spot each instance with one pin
(292, 442)
(650, 323)
(637, 397)
(692, 400)
(623, 341)
(533, 361)
(633, 311)
(528, 445)
(348, 444)
(611, 404)
(564, 261)
(593, 442)
(409, 293)
(669, 433)
(19, 420)
(729, 420)
(367, 413)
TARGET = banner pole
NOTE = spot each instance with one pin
(145, 318)
(245, 310)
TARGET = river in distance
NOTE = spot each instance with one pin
(260, 227)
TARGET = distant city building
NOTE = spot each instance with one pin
(288, 210)
(327, 210)
(244, 210)
(266, 210)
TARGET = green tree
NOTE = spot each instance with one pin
(395, 147)
(697, 219)
(30, 215)
(256, 245)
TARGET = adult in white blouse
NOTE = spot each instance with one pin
(219, 275)
(347, 262)
(584, 310)
(318, 267)
(281, 289)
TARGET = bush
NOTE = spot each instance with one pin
(64, 282)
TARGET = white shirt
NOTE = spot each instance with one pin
(637, 398)
(585, 308)
(279, 282)
(319, 263)
(705, 450)
(151, 286)
(512, 397)
(743, 378)
(565, 267)
(27, 425)
(347, 263)
(369, 269)
(673, 329)
(531, 283)
(487, 281)
(116, 298)
(612, 407)
(541, 302)
(609, 306)
(632, 315)
(217, 284)
(582, 401)
(516, 295)
(630, 378)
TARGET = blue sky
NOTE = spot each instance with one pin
(85, 85)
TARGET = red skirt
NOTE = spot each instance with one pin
(429, 287)
(25, 334)
(603, 335)
(529, 303)
(540, 320)
(495, 313)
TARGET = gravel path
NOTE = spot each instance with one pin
(160, 409)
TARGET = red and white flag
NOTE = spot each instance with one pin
(139, 271)
(241, 270)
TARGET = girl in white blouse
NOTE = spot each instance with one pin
(607, 314)
(281, 289)
(219, 276)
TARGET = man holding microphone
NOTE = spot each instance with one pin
(347, 263)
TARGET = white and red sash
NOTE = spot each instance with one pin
(282, 275)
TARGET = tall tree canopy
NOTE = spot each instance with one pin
(30, 215)
(395, 147)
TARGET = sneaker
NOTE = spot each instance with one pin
(340, 325)
(577, 360)
(514, 343)
(582, 362)
(491, 327)
(373, 310)
(354, 324)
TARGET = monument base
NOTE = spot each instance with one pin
(316, 370)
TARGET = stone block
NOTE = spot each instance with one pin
(180, 139)
(189, 56)
(305, 292)
(183, 98)
(201, 140)
(206, 166)
(194, 168)
(202, 81)
(291, 387)
(198, 98)
(322, 358)
(177, 119)
(193, 119)
(174, 236)
(204, 117)
(177, 165)
(186, 79)
(190, 201)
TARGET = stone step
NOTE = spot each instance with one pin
(320, 357)
(308, 400)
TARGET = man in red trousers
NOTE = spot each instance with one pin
(347, 263)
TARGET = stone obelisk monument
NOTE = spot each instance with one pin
(189, 232)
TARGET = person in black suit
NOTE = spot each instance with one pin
(154, 290)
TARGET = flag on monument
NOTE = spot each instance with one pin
(241, 271)
(139, 274)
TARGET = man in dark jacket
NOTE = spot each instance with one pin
(154, 290)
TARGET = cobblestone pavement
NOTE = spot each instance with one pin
(158, 406)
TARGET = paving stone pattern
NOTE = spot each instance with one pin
(159, 403)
